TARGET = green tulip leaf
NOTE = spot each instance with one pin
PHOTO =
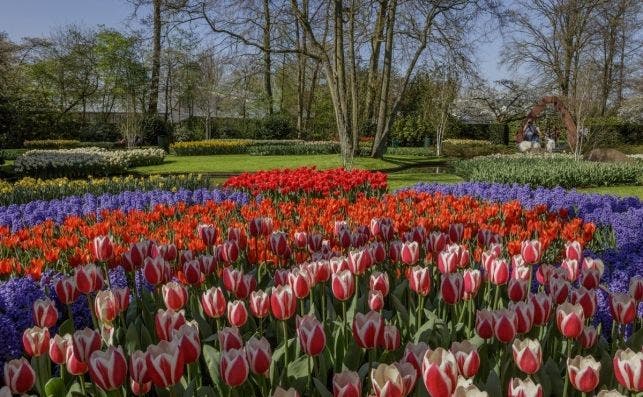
(321, 389)
(55, 387)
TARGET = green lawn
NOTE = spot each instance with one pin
(636, 191)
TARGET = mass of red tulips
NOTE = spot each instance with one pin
(410, 294)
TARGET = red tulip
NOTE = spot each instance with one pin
(283, 302)
(207, 234)
(167, 320)
(570, 319)
(524, 315)
(528, 355)
(542, 308)
(255, 227)
(231, 278)
(379, 281)
(88, 278)
(487, 259)
(359, 261)
(156, 270)
(337, 264)
(66, 290)
(484, 323)
(343, 285)
(628, 369)
(213, 302)
(588, 337)
(102, 248)
(636, 288)
(436, 242)
(230, 338)
(300, 282)
(234, 367)
(237, 313)
(467, 357)
(315, 242)
(456, 232)
(409, 376)
(531, 251)
(590, 278)
(622, 307)
(558, 290)
(347, 384)
(395, 251)
(19, 376)
(451, 288)
(175, 295)
(573, 250)
(300, 239)
(499, 272)
(259, 304)
(192, 272)
(238, 235)
(524, 388)
(84, 342)
(391, 337)
(58, 348)
(410, 253)
(187, 336)
(122, 296)
(344, 238)
(207, 265)
(165, 364)
(387, 381)
(375, 300)
(517, 289)
(106, 306)
(448, 259)
(368, 330)
(138, 373)
(229, 251)
(168, 252)
(72, 363)
(35, 341)
(259, 355)
(504, 325)
(45, 314)
(378, 251)
(593, 263)
(586, 298)
(420, 280)
(440, 372)
(571, 268)
(471, 282)
(281, 392)
(584, 373)
(279, 243)
(108, 369)
(414, 354)
(311, 335)
(519, 270)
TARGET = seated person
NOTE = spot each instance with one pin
(531, 132)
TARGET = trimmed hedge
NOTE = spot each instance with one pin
(66, 144)
(210, 147)
(254, 147)
(547, 170)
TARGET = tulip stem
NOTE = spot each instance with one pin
(71, 316)
(419, 311)
(496, 297)
(285, 329)
(569, 353)
(323, 304)
(82, 384)
(310, 376)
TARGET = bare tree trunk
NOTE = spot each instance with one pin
(376, 45)
(301, 76)
(156, 59)
(353, 79)
(267, 61)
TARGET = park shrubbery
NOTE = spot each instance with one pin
(254, 147)
(548, 170)
(468, 148)
(81, 162)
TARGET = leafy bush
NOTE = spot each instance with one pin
(468, 148)
(29, 189)
(276, 126)
(548, 170)
(52, 144)
(301, 148)
(255, 147)
(81, 162)
(210, 147)
(153, 127)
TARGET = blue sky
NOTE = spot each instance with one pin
(33, 18)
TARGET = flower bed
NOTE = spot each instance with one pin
(30, 189)
(84, 161)
(308, 181)
(548, 170)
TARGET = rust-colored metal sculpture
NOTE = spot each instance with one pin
(559, 106)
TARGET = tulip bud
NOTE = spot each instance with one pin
(315, 242)
(395, 251)
(237, 313)
(498, 272)
(469, 391)
(594, 263)
(570, 319)
(448, 259)
(167, 320)
(622, 307)
(456, 232)
(213, 302)
(414, 354)
(359, 261)
(379, 281)
(467, 357)
(259, 355)
(66, 290)
(627, 369)
(300, 282)
(573, 250)
(122, 296)
(165, 364)
(528, 355)
(231, 278)
(440, 372)
(229, 251)
(84, 342)
(387, 381)
(391, 337)
(517, 289)
(471, 282)
(138, 372)
(504, 325)
(192, 272)
(420, 280)
(524, 388)
(375, 300)
(45, 314)
(451, 288)
(484, 323)
(72, 364)
(108, 369)
(609, 393)
(347, 384)
(531, 251)
(156, 270)
(311, 335)
(19, 376)
(280, 392)
(558, 290)
(283, 302)
(88, 278)
(571, 269)
(175, 295)
(343, 285)
(338, 264)
(542, 308)
(102, 248)
(585, 298)
(636, 288)
(436, 242)
(368, 330)
(279, 244)
(230, 338)
(35, 341)
(207, 234)
(584, 373)
(187, 336)
(259, 304)
(410, 253)
(590, 278)
(524, 315)
(58, 348)
(588, 337)
(234, 367)
(106, 306)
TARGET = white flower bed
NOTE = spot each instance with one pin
(84, 161)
